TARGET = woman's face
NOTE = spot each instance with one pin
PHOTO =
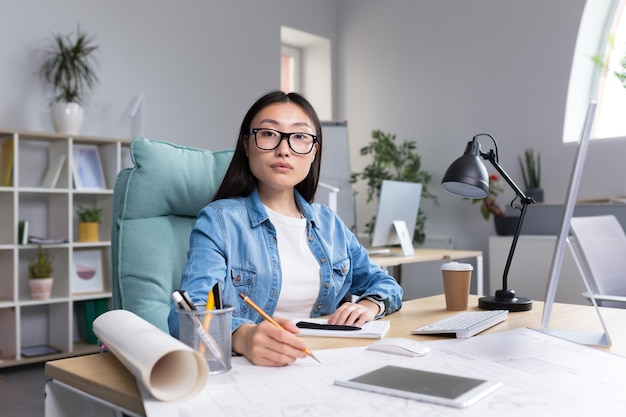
(280, 169)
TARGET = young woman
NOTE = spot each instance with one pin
(262, 236)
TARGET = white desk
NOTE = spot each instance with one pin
(396, 259)
(75, 383)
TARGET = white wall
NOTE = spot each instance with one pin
(442, 71)
(201, 64)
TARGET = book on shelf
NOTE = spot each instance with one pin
(22, 232)
(6, 163)
(46, 240)
(371, 330)
(54, 171)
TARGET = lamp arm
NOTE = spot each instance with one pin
(492, 157)
(505, 292)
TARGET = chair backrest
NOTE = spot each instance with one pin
(601, 244)
(155, 204)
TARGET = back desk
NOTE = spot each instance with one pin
(104, 377)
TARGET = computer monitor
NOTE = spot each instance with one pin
(601, 339)
(398, 207)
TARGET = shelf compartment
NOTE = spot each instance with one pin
(46, 325)
(60, 287)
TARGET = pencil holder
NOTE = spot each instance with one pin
(209, 332)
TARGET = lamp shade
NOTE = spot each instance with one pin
(467, 176)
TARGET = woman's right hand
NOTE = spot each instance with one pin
(267, 345)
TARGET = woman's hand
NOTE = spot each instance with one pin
(267, 345)
(354, 314)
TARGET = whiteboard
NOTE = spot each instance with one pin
(335, 170)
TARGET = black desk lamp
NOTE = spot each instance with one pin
(467, 177)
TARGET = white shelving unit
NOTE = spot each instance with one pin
(50, 213)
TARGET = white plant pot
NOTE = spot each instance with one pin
(40, 288)
(67, 118)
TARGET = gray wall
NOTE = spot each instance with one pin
(435, 71)
(442, 71)
(200, 63)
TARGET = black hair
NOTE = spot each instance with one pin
(239, 180)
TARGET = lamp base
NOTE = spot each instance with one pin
(505, 300)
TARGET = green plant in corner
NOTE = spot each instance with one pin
(603, 64)
(41, 266)
(531, 169)
(69, 66)
(392, 161)
(89, 214)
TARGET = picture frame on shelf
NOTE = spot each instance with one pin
(86, 273)
(87, 168)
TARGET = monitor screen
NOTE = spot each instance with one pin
(398, 201)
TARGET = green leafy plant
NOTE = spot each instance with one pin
(89, 214)
(602, 62)
(393, 161)
(531, 169)
(41, 266)
(70, 67)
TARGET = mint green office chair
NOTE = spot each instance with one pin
(155, 204)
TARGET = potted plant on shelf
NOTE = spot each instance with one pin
(531, 174)
(505, 225)
(40, 275)
(89, 219)
(393, 162)
(69, 66)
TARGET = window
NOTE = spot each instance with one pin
(306, 68)
(602, 19)
(611, 92)
(290, 69)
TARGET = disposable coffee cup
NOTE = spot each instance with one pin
(209, 332)
(456, 284)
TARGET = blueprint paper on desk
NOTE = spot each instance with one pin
(542, 376)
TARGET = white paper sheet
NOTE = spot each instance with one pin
(167, 368)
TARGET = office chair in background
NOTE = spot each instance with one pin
(155, 204)
(599, 249)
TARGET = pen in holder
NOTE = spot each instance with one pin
(215, 342)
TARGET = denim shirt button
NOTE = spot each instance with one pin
(310, 238)
(238, 278)
(319, 307)
(344, 269)
(327, 285)
(323, 260)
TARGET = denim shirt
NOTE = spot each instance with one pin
(234, 242)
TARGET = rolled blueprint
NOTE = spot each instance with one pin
(169, 369)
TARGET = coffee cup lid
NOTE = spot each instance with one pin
(456, 266)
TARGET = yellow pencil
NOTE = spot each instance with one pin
(271, 320)
(210, 305)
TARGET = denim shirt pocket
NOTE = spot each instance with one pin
(243, 280)
(341, 269)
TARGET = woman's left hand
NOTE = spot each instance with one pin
(354, 314)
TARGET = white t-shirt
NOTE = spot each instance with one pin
(300, 270)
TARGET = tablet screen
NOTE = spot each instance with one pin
(416, 384)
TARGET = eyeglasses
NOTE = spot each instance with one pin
(269, 139)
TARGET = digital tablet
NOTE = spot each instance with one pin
(450, 390)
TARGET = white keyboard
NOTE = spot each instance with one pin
(464, 325)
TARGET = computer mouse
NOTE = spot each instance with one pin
(400, 346)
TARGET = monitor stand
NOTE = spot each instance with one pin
(405, 238)
(583, 338)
